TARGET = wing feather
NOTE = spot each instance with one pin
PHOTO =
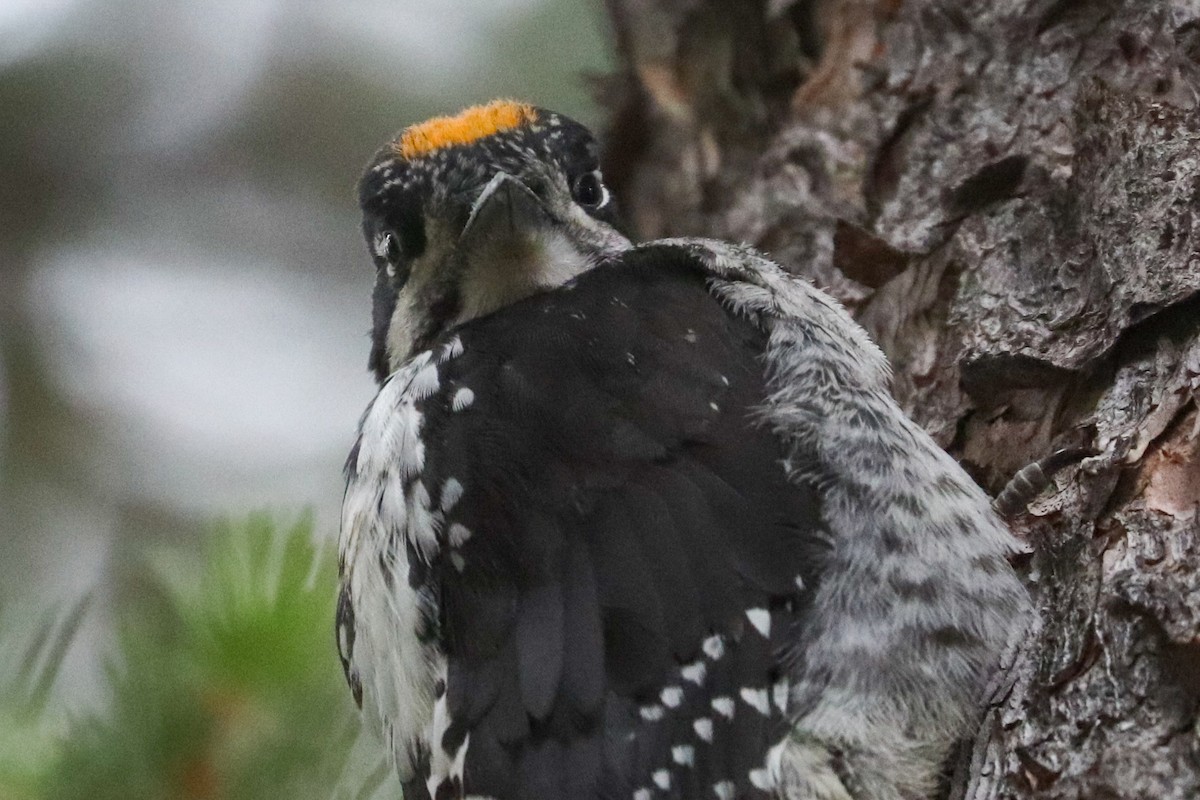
(598, 521)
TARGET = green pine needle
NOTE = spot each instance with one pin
(30, 658)
(225, 683)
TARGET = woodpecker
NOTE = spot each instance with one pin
(640, 520)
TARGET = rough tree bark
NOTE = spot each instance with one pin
(1007, 194)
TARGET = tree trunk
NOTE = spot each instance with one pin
(1006, 193)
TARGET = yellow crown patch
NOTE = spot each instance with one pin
(469, 125)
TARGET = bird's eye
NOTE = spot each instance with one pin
(395, 248)
(589, 191)
(391, 249)
(388, 250)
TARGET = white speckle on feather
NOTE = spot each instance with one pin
(452, 349)
(723, 706)
(452, 492)
(683, 754)
(652, 713)
(425, 382)
(758, 699)
(694, 672)
(713, 646)
(462, 399)
(760, 618)
(458, 534)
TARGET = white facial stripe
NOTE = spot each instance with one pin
(601, 236)
(402, 331)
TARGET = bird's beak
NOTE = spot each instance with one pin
(506, 212)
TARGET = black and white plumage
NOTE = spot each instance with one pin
(641, 521)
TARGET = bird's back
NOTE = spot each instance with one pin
(611, 558)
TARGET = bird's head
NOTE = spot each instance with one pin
(466, 214)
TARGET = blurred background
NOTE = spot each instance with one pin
(185, 296)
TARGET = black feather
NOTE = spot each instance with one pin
(623, 506)
(584, 680)
(540, 635)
